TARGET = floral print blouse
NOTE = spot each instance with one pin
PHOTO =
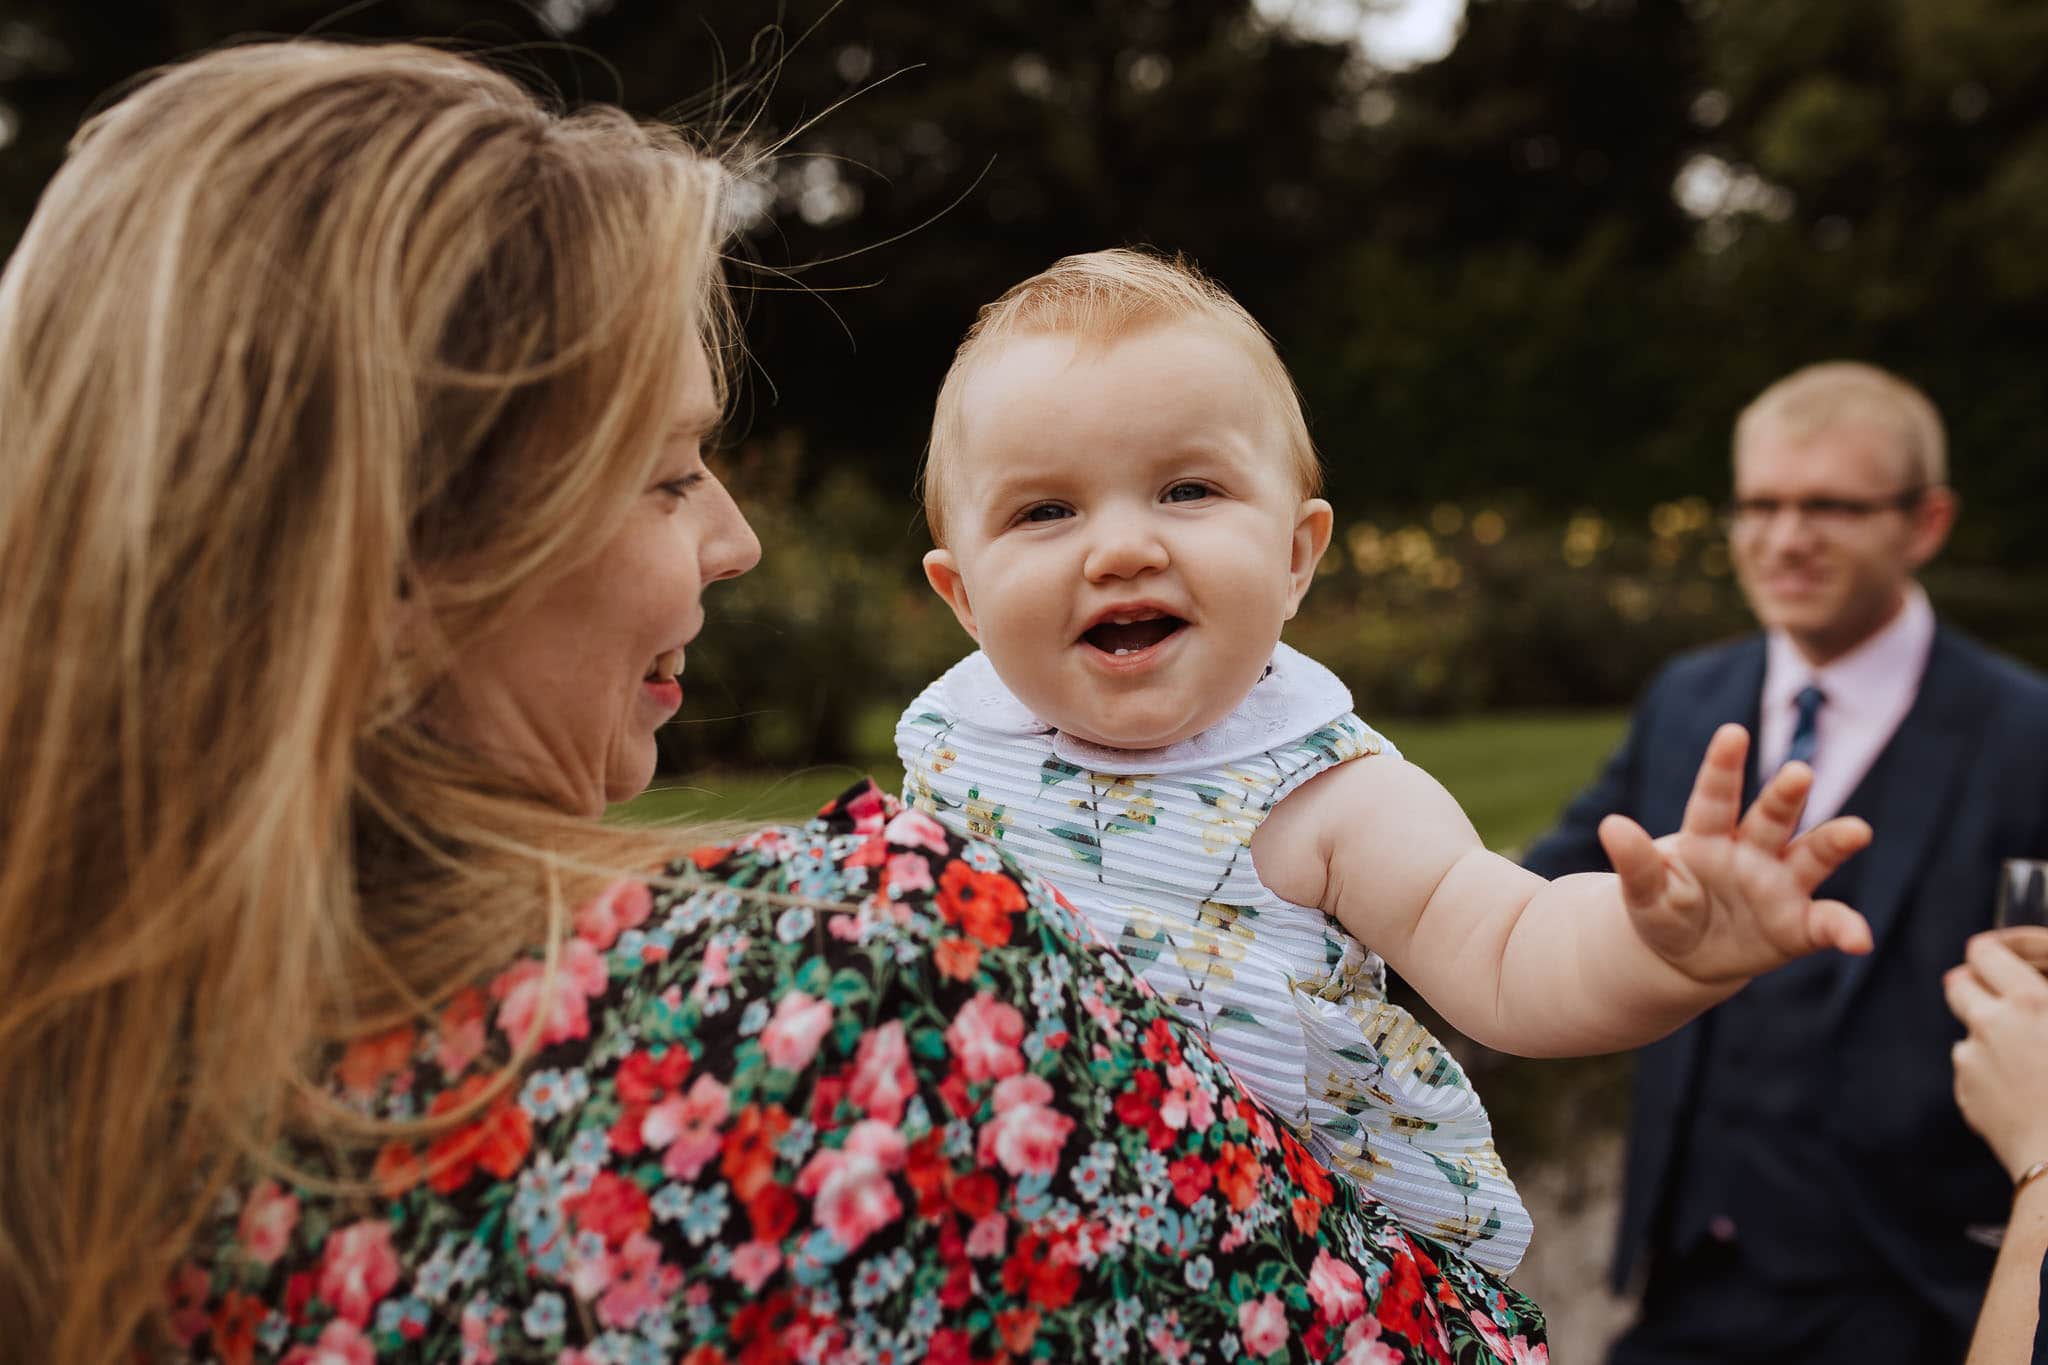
(938, 1122)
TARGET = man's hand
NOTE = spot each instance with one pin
(1723, 900)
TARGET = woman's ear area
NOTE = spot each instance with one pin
(1313, 524)
(942, 571)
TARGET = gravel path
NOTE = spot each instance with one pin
(1575, 1203)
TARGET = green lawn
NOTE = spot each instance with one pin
(1511, 772)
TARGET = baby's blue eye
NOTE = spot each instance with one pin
(1045, 511)
(1187, 492)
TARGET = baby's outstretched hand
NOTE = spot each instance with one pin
(1726, 898)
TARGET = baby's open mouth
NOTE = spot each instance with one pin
(1130, 634)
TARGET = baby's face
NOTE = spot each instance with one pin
(1127, 533)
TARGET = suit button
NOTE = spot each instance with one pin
(1721, 1228)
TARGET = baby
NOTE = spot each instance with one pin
(1122, 489)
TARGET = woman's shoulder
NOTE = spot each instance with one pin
(851, 1089)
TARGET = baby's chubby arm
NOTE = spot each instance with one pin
(1589, 963)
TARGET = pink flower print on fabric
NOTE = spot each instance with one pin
(1362, 1344)
(1516, 1351)
(1262, 1323)
(1186, 1104)
(265, 1229)
(527, 998)
(1026, 1134)
(640, 1283)
(1338, 1291)
(882, 1076)
(793, 1034)
(852, 1194)
(690, 1126)
(914, 829)
(622, 906)
(908, 873)
(715, 971)
(754, 1262)
(988, 1237)
(985, 1038)
(357, 1270)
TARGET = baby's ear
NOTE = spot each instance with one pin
(943, 573)
(1312, 526)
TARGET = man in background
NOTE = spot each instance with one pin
(1800, 1185)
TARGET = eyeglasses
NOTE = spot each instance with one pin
(1824, 514)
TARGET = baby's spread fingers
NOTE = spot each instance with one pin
(1772, 817)
(1636, 860)
(1815, 854)
(1716, 798)
(1831, 924)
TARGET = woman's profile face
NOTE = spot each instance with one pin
(566, 696)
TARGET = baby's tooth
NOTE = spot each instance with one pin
(1122, 652)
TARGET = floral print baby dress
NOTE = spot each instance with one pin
(1154, 848)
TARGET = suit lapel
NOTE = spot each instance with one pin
(1910, 780)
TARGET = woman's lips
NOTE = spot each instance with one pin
(667, 692)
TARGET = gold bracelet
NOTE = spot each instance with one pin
(2028, 1176)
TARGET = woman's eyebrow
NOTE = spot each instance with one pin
(696, 424)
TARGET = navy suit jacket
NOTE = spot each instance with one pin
(1962, 785)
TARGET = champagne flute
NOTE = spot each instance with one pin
(2022, 916)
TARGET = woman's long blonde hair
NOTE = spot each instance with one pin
(314, 361)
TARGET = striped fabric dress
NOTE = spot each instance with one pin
(1154, 848)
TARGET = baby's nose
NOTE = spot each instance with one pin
(1124, 547)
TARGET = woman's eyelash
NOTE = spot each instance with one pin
(680, 488)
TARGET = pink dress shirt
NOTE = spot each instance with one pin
(1869, 690)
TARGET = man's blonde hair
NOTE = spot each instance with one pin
(1839, 392)
(316, 362)
(1105, 296)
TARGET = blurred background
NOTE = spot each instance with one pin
(1526, 259)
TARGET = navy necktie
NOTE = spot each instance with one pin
(1809, 702)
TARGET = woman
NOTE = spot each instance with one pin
(353, 524)
(2001, 996)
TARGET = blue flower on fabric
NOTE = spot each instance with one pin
(1029, 1198)
(707, 1214)
(545, 1317)
(669, 1203)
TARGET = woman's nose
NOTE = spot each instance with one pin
(1124, 546)
(732, 548)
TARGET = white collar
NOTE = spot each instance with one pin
(1294, 697)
